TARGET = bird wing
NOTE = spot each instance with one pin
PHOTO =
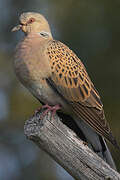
(70, 79)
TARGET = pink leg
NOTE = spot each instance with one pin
(53, 109)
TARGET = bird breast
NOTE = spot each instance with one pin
(32, 68)
(29, 60)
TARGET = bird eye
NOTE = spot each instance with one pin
(31, 20)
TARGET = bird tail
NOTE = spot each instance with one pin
(108, 156)
(96, 142)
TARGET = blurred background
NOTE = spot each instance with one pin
(92, 30)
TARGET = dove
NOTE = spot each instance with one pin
(55, 75)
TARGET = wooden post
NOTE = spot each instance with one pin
(65, 147)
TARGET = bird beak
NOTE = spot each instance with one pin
(16, 28)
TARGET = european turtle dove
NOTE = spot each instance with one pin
(57, 77)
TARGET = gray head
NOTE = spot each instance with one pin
(33, 22)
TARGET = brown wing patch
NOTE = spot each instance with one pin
(70, 75)
(70, 79)
(69, 72)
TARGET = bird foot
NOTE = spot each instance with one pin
(38, 110)
(49, 108)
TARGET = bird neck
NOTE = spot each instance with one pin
(45, 34)
(34, 40)
(42, 34)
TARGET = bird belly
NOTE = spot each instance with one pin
(33, 71)
(44, 93)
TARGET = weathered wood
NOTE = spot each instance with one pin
(63, 145)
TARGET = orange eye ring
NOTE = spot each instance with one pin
(31, 20)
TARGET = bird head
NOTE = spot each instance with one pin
(33, 22)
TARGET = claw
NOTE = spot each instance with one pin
(37, 110)
(48, 108)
